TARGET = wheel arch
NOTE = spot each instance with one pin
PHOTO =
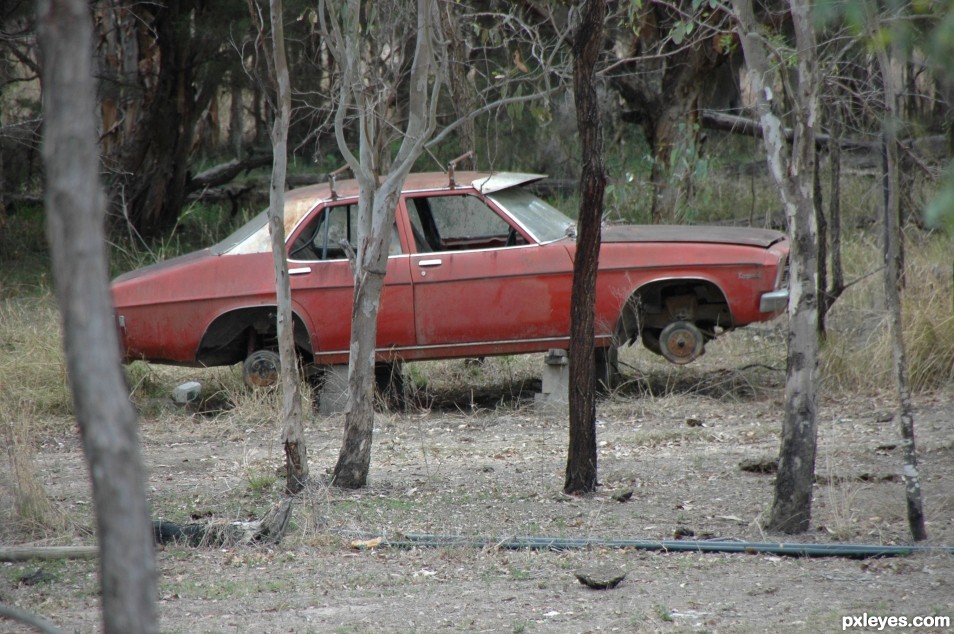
(237, 331)
(647, 305)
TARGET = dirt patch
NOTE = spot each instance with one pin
(488, 464)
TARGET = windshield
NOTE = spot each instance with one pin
(545, 222)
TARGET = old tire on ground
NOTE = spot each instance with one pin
(262, 368)
(681, 342)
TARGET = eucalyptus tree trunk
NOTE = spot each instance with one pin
(662, 79)
(675, 144)
(354, 459)
(153, 98)
(293, 432)
(892, 278)
(460, 88)
(76, 210)
(793, 174)
(581, 454)
(831, 235)
(380, 180)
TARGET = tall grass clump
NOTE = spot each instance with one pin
(858, 352)
(928, 309)
(32, 364)
(32, 510)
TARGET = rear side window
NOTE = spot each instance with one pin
(449, 223)
(330, 232)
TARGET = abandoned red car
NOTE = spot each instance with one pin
(479, 266)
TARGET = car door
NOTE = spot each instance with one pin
(322, 282)
(478, 279)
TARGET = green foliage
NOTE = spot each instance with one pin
(941, 36)
(625, 200)
(939, 212)
(686, 160)
(663, 613)
(678, 29)
(629, 166)
(260, 481)
(25, 266)
(199, 225)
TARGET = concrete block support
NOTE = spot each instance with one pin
(556, 379)
(187, 392)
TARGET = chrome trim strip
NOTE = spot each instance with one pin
(465, 344)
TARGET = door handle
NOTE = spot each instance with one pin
(301, 270)
(428, 263)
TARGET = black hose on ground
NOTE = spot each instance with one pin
(854, 551)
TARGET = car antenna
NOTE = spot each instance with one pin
(453, 164)
(333, 176)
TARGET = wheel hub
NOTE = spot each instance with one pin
(681, 342)
(262, 368)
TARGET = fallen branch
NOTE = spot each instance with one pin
(226, 172)
(915, 148)
(268, 530)
(27, 618)
(24, 553)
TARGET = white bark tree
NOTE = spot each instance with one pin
(793, 173)
(293, 432)
(892, 280)
(359, 35)
(76, 208)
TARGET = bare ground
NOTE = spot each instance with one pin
(486, 462)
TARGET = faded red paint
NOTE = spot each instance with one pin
(436, 304)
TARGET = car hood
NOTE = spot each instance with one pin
(745, 236)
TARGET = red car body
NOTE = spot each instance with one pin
(478, 267)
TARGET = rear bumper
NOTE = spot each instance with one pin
(774, 301)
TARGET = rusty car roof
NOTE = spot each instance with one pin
(486, 182)
(300, 201)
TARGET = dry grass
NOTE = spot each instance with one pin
(858, 353)
(32, 512)
(32, 365)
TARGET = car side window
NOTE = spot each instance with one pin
(458, 222)
(327, 235)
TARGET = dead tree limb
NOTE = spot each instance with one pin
(25, 553)
(916, 148)
(27, 618)
(219, 533)
(226, 172)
